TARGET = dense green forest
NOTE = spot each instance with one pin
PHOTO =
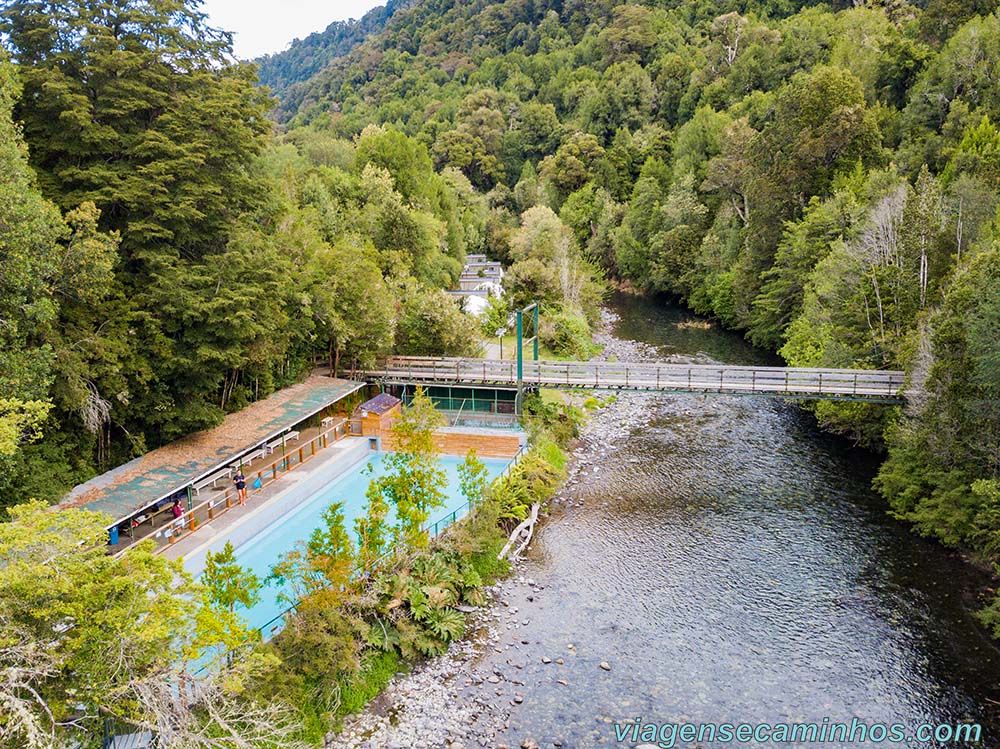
(177, 243)
(821, 176)
(308, 56)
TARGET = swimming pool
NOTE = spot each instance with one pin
(293, 516)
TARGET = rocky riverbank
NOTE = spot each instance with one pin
(467, 697)
(707, 557)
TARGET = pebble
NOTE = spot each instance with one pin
(477, 706)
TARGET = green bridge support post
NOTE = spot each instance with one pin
(533, 308)
(520, 362)
(534, 330)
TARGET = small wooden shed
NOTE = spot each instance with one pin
(378, 414)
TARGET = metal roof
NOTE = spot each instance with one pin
(380, 404)
(167, 470)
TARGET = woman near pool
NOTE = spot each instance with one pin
(241, 486)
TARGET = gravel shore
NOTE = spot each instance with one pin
(465, 698)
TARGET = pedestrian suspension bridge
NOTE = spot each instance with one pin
(875, 385)
(793, 382)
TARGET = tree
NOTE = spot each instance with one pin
(473, 477)
(226, 587)
(405, 159)
(820, 126)
(317, 573)
(349, 302)
(938, 453)
(30, 229)
(136, 107)
(55, 272)
(61, 595)
(413, 484)
(923, 224)
(543, 248)
(430, 323)
(143, 131)
(373, 530)
(572, 164)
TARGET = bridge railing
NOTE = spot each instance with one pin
(649, 376)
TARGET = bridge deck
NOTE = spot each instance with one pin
(867, 384)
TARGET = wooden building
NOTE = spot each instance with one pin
(378, 414)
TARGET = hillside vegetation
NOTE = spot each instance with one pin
(306, 57)
(821, 176)
(175, 244)
(167, 259)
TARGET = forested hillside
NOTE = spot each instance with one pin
(168, 257)
(821, 176)
(305, 57)
(165, 260)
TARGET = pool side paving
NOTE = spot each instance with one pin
(242, 523)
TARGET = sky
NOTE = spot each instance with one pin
(264, 26)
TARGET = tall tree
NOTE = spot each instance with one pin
(30, 229)
(414, 481)
(138, 107)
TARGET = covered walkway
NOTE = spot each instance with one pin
(188, 468)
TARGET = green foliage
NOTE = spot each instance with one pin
(60, 597)
(430, 323)
(226, 587)
(373, 676)
(496, 317)
(557, 422)
(473, 477)
(373, 530)
(534, 479)
(414, 482)
(317, 573)
(567, 335)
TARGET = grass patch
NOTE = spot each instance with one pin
(360, 688)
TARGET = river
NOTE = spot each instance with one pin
(729, 563)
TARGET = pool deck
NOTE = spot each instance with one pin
(193, 546)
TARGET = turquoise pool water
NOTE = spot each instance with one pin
(261, 552)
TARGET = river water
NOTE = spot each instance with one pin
(732, 564)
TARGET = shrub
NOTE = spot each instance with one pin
(567, 334)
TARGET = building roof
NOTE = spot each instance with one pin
(162, 472)
(380, 404)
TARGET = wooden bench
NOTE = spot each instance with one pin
(210, 480)
(247, 459)
(275, 444)
(325, 422)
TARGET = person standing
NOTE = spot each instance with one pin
(241, 485)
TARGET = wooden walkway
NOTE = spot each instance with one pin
(842, 384)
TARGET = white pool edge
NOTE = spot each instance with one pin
(194, 560)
